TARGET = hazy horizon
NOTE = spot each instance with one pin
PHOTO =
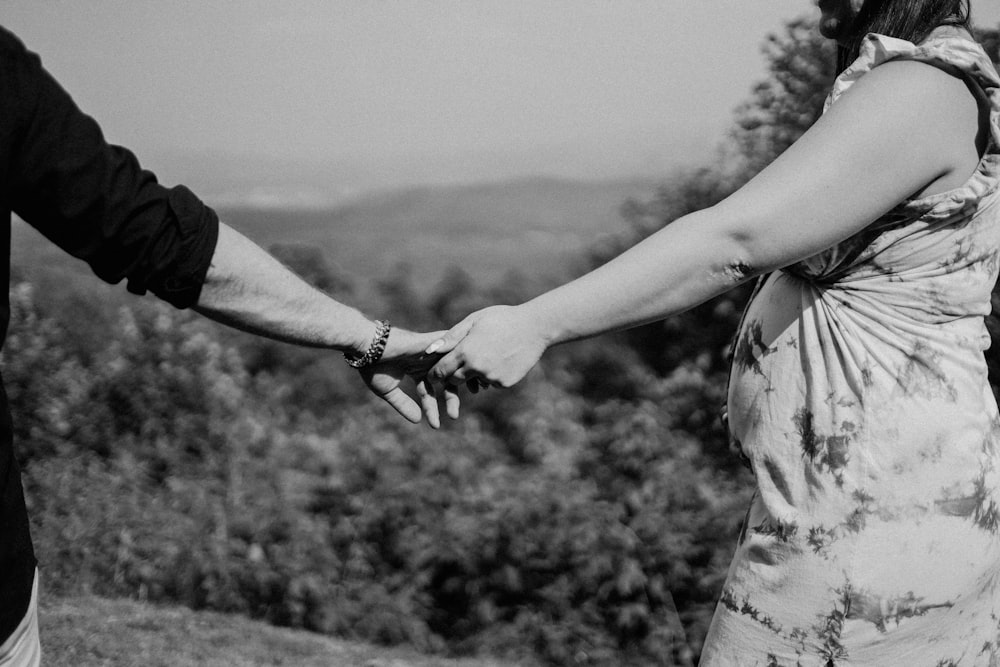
(309, 101)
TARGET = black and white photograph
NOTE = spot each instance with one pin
(500, 333)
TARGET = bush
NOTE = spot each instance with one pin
(571, 519)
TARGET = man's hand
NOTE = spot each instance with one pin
(405, 356)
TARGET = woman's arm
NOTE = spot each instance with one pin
(903, 129)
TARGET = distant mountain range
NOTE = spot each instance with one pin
(535, 226)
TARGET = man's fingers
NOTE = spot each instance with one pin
(452, 402)
(477, 384)
(428, 401)
(446, 367)
(403, 404)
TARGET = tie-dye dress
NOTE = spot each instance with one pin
(859, 396)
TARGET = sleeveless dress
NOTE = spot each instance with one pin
(859, 395)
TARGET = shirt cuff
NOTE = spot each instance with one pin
(182, 254)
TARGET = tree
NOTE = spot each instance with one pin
(801, 66)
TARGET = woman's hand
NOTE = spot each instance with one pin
(404, 356)
(499, 344)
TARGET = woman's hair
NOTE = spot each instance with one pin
(911, 20)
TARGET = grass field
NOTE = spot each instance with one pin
(98, 632)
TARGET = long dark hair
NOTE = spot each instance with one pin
(912, 20)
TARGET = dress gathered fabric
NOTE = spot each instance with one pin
(859, 395)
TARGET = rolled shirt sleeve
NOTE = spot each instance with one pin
(92, 198)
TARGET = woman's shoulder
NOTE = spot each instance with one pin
(942, 91)
(918, 103)
(902, 84)
(930, 79)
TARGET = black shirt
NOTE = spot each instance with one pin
(93, 200)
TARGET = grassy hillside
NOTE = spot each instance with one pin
(98, 632)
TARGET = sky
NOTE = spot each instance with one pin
(307, 100)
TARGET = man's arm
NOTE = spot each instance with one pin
(248, 289)
(95, 201)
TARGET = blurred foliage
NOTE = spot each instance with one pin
(309, 262)
(802, 67)
(551, 520)
(585, 517)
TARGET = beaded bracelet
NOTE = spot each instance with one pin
(375, 350)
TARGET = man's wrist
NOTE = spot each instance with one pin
(400, 343)
(369, 351)
(358, 337)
